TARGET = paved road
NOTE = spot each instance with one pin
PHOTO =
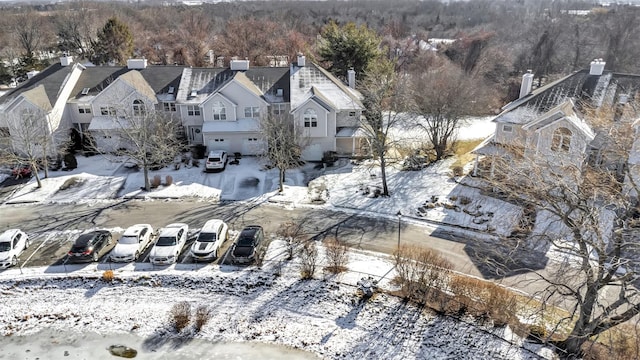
(59, 223)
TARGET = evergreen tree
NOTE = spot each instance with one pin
(349, 47)
(114, 43)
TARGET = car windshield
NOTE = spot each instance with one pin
(128, 240)
(166, 241)
(245, 241)
(207, 237)
(5, 246)
(214, 159)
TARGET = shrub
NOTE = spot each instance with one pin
(156, 181)
(337, 255)
(168, 180)
(457, 170)
(108, 276)
(203, 314)
(181, 315)
(464, 200)
(292, 234)
(308, 260)
(420, 272)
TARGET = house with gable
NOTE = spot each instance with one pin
(220, 108)
(43, 95)
(550, 123)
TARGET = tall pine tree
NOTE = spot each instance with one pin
(114, 43)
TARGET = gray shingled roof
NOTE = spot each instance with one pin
(206, 81)
(50, 78)
(582, 88)
(96, 78)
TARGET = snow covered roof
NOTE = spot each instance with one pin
(565, 111)
(241, 125)
(107, 123)
(311, 80)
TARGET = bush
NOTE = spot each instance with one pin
(203, 314)
(108, 276)
(292, 234)
(308, 260)
(337, 255)
(156, 181)
(464, 200)
(181, 315)
(457, 170)
(168, 180)
(420, 272)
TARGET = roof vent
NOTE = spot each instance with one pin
(239, 65)
(85, 91)
(597, 67)
(194, 93)
(32, 73)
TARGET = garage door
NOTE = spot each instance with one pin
(218, 144)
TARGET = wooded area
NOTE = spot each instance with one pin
(497, 40)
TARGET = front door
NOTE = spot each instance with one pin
(195, 134)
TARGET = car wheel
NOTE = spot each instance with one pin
(95, 256)
(215, 253)
(26, 244)
(136, 256)
(177, 254)
(14, 261)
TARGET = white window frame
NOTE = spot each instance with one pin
(107, 111)
(169, 106)
(252, 111)
(193, 110)
(139, 109)
(278, 109)
(219, 111)
(507, 128)
(310, 118)
(84, 109)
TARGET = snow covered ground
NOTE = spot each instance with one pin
(271, 304)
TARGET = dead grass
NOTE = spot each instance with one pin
(462, 151)
(108, 276)
(180, 315)
(203, 315)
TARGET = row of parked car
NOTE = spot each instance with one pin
(166, 244)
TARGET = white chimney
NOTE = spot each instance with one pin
(32, 73)
(137, 63)
(351, 77)
(527, 84)
(597, 67)
(66, 60)
(239, 65)
(301, 60)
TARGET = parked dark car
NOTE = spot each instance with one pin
(246, 246)
(90, 246)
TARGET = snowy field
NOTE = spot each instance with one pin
(323, 316)
(269, 305)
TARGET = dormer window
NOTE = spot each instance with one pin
(138, 108)
(219, 111)
(310, 118)
(561, 140)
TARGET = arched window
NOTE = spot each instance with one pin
(219, 111)
(138, 108)
(561, 140)
(310, 118)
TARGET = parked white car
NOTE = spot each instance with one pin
(132, 243)
(216, 160)
(213, 234)
(12, 244)
(169, 244)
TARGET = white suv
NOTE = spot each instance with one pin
(213, 234)
(216, 160)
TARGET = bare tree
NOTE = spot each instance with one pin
(385, 103)
(31, 141)
(443, 97)
(284, 144)
(146, 137)
(586, 208)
